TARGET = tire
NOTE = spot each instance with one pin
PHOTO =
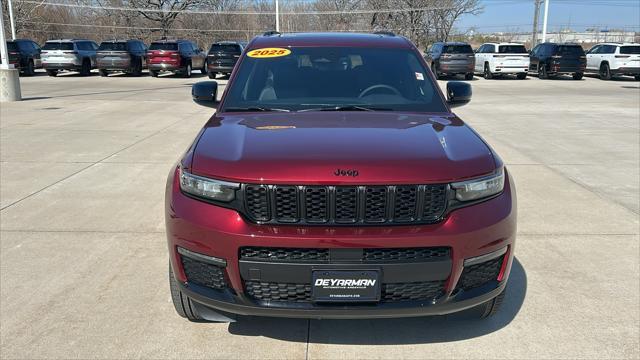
(30, 69)
(542, 71)
(468, 76)
(637, 77)
(434, 70)
(605, 72)
(187, 71)
(491, 307)
(578, 76)
(86, 68)
(212, 75)
(52, 72)
(182, 303)
(103, 72)
(521, 76)
(153, 73)
(487, 72)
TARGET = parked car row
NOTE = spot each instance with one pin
(546, 60)
(128, 56)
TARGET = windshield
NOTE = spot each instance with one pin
(58, 46)
(226, 48)
(328, 77)
(164, 46)
(457, 49)
(512, 49)
(635, 50)
(570, 50)
(113, 46)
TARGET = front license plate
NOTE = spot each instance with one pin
(345, 286)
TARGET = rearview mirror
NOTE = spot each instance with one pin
(458, 93)
(205, 92)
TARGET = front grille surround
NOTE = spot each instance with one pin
(301, 293)
(345, 205)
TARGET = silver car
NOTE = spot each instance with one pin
(69, 54)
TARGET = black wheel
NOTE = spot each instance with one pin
(542, 71)
(86, 67)
(521, 76)
(468, 76)
(578, 76)
(203, 70)
(183, 304)
(212, 75)
(605, 72)
(637, 77)
(187, 71)
(52, 72)
(103, 72)
(491, 307)
(153, 73)
(434, 70)
(30, 69)
(487, 72)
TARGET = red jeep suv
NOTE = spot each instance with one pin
(333, 181)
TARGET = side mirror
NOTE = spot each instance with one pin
(205, 92)
(458, 93)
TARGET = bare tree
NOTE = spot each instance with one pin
(163, 12)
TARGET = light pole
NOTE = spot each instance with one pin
(277, 17)
(9, 77)
(546, 15)
(13, 23)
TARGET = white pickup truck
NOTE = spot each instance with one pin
(502, 58)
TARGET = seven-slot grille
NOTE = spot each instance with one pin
(344, 205)
(369, 255)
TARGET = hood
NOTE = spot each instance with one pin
(312, 148)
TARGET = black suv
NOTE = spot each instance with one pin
(129, 56)
(551, 59)
(178, 56)
(25, 55)
(451, 58)
(223, 56)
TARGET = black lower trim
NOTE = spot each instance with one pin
(226, 301)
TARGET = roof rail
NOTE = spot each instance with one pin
(384, 32)
(271, 33)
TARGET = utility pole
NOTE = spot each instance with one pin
(9, 77)
(13, 23)
(546, 16)
(536, 15)
(277, 17)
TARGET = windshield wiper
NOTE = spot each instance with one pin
(254, 108)
(345, 108)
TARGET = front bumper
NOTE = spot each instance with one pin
(469, 232)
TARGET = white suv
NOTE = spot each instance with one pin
(502, 58)
(611, 59)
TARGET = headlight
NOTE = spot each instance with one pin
(479, 188)
(207, 188)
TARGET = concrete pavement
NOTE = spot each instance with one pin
(83, 260)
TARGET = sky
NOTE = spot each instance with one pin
(517, 15)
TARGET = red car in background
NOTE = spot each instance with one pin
(334, 181)
(177, 56)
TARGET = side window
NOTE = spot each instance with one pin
(609, 49)
(81, 45)
(490, 49)
(595, 49)
(535, 50)
(35, 46)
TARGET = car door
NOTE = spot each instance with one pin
(592, 57)
(478, 56)
(37, 61)
(198, 54)
(534, 58)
